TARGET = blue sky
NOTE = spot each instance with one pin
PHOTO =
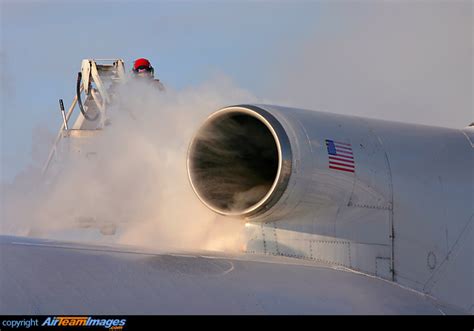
(403, 60)
(42, 44)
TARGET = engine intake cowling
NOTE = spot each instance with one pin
(240, 161)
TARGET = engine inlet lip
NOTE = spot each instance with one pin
(283, 174)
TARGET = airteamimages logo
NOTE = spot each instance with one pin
(84, 321)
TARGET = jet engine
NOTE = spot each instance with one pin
(390, 199)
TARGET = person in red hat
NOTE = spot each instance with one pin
(142, 69)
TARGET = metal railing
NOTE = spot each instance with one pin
(62, 129)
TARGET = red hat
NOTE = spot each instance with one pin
(141, 63)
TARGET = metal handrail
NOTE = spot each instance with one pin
(59, 135)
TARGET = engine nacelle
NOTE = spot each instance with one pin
(390, 199)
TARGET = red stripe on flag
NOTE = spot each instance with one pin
(343, 169)
(344, 148)
(344, 157)
(342, 164)
(345, 144)
(341, 159)
(346, 154)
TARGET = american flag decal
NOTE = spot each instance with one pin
(340, 156)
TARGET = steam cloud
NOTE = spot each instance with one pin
(132, 179)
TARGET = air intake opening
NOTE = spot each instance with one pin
(234, 162)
